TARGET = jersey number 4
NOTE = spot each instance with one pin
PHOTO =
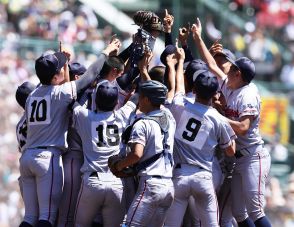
(192, 128)
(112, 135)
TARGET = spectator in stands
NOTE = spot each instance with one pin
(287, 73)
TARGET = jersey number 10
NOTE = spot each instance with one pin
(39, 110)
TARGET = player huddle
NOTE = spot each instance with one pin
(119, 144)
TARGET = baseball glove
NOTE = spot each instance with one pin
(126, 172)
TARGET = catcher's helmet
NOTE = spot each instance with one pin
(154, 91)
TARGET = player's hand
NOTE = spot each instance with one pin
(144, 62)
(171, 60)
(168, 22)
(113, 47)
(196, 29)
(184, 34)
(67, 55)
(219, 103)
(180, 53)
(216, 48)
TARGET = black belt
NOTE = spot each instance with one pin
(156, 176)
(94, 174)
(42, 147)
(178, 166)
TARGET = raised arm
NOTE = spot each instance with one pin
(143, 65)
(66, 68)
(171, 61)
(183, 38)
(168, 22)
(93, 71)
(180, 55)
(204, 52)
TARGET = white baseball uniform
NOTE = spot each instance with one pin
(155, 190)
(40, 164)
(100, 191)
(252, 159)
(200, 128)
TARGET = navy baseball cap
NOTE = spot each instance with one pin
(47, 66)
(169, 49)
(155, 91)
(206, 85)
(246, 67)
(22, 93)
(75, 68)
(106, 96)
(227, 54)
(194, 66)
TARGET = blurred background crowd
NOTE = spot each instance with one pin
(263, 30)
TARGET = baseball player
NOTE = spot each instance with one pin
(243, 112)
(21, 96)
(193, 69)
(151, 144)
(111, 70)
(47, 121)
(224, 193)
(199, 130)
(100, 132)
(72, 161)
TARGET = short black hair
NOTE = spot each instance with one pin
(110, 63)
(157, 73)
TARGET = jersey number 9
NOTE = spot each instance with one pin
(192, 128)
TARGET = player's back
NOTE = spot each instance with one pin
(199, 130)
(104, 130)
(47, 115)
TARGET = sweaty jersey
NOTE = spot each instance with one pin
(21, 132)
(101, 134)
(148, 133)
(200, 128)
(244, 101)
(47, 115)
